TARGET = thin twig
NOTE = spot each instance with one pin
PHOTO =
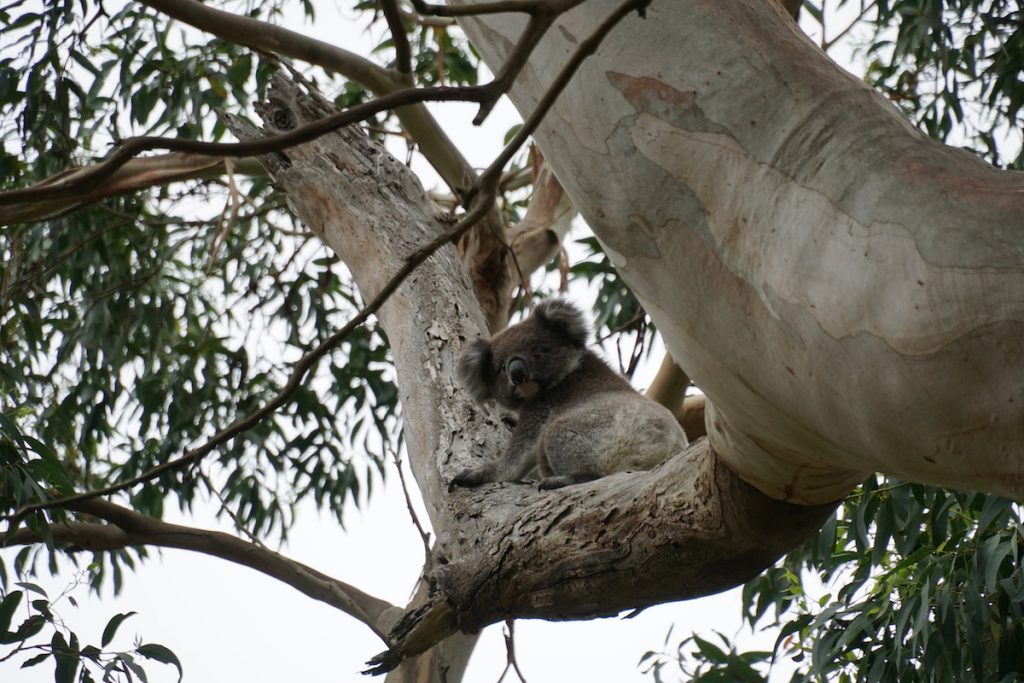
(403, 53)
(510, 652)
(827, 45)
(424, 534)
(253, 538)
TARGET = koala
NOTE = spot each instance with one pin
(578, 419)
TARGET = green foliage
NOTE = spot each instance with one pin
(956, 67)
(133, 331)
(708, 663)
(927, 586)
(618, 314)
(905, 583)
(32, 627)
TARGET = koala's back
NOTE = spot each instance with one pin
(609, 433)
(597, 424)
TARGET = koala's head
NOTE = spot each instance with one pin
(525, 360)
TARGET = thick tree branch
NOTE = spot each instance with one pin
(688, 528)
(669, 385)
(713, 179)
(129, 528)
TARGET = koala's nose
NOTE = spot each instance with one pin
(516, 371)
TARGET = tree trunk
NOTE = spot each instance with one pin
(847, 292)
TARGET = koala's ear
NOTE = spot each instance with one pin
(473, 365)
(564, 317)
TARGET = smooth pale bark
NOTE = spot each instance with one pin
(848, 293)
(688, 528)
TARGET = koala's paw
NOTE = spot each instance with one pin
(469, 478)
(548, 483)
(559, 480)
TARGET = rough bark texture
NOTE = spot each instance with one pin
(628, 541)
(848, 293)
(686, 529)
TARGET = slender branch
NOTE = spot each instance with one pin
(127, 528)
(429, 22)
(90, 178)
(134, 175)
(501, 7)
(586, 48)
(542, 16)
(510, 652)
(424, 535)
(827, 45)
(403, 53)
(266, 37)
(433, 142)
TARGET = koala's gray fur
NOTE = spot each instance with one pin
(578, 419)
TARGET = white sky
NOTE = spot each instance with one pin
(229, 623)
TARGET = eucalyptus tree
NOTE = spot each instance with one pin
(842, 288)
